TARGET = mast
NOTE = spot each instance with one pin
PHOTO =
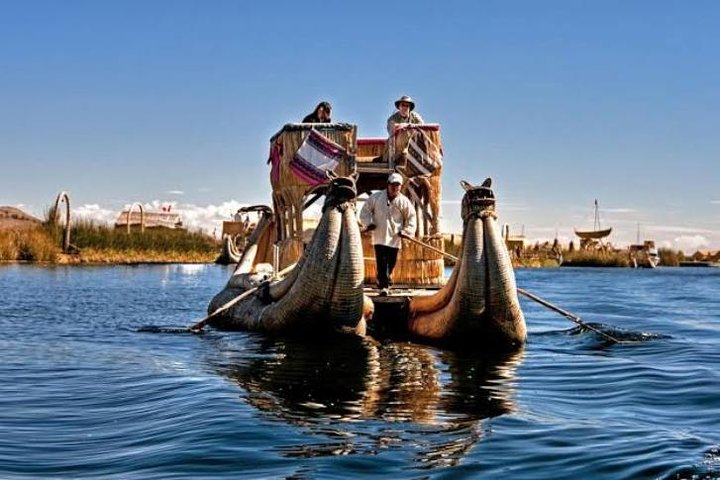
(596, 224)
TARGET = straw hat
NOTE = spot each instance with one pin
(405, 99)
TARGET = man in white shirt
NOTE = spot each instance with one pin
(387, 213)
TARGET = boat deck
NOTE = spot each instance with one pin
(399, 293)
(391, 311)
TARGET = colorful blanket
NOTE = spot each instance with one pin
(316, 155)
(423, 156)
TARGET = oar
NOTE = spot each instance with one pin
(429, 247)
(568, 315)
(200, 324)
(545, 303)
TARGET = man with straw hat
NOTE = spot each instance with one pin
(388, 213)
(405, 114)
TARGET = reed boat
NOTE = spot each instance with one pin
(289, 280)
(593, 238)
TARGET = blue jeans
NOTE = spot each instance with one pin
(385, 259)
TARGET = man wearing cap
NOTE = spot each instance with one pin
(404, 114)
(387, 213)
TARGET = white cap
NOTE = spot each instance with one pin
(395, 178)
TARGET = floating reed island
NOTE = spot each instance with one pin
(60, 239)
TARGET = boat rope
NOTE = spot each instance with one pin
(570, 316)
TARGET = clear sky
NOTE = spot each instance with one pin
(560, 101)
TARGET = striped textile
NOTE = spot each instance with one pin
(417, 192)
(317, 155)
(422, 155)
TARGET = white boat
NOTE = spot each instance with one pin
(644, 255)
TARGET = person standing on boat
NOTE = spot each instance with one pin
(404, 114)
(321, 114)
(388, 213)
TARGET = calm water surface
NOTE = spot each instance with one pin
(84, 395)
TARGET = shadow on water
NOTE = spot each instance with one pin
(351, 392)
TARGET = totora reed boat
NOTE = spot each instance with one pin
(293, 281)
(593, 238)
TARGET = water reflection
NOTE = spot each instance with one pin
(336, 389)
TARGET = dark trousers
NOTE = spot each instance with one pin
(385, 259)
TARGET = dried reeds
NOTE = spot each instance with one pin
(416, 265)
(31, 244)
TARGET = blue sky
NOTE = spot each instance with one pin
(561, 102)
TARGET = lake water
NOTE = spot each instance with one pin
(84, 395)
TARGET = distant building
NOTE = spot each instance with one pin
(514, 243)
(152, 220)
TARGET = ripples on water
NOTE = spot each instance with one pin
(84, 395)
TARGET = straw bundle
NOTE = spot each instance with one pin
(265, 240)
(416, 265)
(290, 251)
(369, 149)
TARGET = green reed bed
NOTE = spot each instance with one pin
(670, 258)
(157, 241)
(94, 243)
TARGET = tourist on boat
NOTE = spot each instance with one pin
(387, 213)
(321, 114)
(405, 114)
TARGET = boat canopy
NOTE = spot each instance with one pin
(300, 156)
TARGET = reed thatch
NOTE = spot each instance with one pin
(290, 190)
(373, 159)
(416, 265)
(371, 150)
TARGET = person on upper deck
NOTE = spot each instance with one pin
(388, 214)
(321, 114)
(405, 114)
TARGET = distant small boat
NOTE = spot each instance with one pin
(653, 257)
(587, 236)
(644, 255)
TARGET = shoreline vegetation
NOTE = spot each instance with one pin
(29, 240)
(99, 244)
(545, 256)
(92, 243)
